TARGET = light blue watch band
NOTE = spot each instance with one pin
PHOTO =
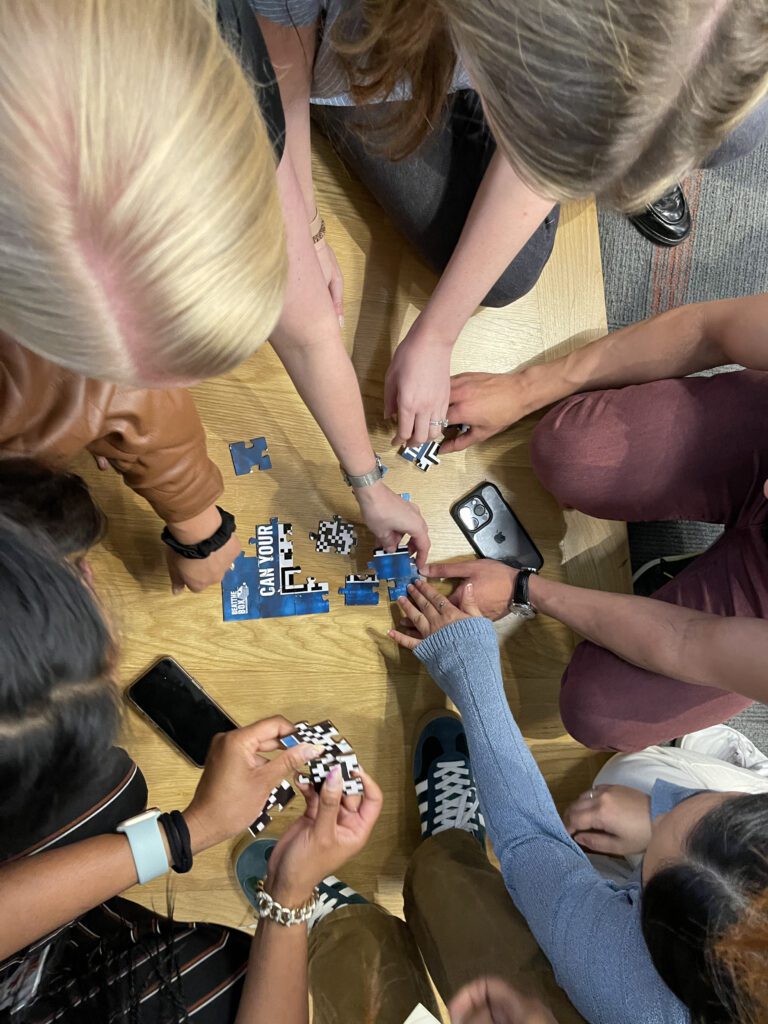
(147, 847)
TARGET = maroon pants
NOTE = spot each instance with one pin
(690, 449)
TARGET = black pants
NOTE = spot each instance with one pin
(428, 195)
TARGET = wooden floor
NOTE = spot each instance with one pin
(342, 665)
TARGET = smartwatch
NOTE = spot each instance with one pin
(205, 547)
(520, 605)
(367, 479)
(146, 840)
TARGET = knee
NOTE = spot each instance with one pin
(525, 270)
(587, 710)
(561, 451)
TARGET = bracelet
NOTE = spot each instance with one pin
(179, 843)
(205, 547)
(317, 229)
(271, 910)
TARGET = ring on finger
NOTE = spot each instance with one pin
(441, 604)
(438, 423)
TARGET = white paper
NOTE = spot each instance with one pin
(421, 1016)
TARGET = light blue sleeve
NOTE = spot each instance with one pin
(588, 928)
(288, 12)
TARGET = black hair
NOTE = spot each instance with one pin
(53, 501)
(58, 704)
(689, 908)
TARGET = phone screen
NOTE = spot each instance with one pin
(180, 708)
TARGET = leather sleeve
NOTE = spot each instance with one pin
(155, 439)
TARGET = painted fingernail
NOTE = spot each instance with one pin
(334, 778)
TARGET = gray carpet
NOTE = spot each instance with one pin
(725, 256)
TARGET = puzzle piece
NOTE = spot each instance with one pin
(277, 800)
(337, 751)
(360, 589)
(397, 567)
(423, 456)
(321, 766)
(247, 457)
(335, 535)
(265, 586)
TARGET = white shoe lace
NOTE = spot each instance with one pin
(456, 803)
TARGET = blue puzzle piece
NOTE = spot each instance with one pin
(246, 458)
(360, 590)
(396, 566)
(264, 586)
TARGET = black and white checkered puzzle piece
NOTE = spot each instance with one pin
(321, 766)
(334, 535)
(423, 456)
(277, 800)
(322, 734)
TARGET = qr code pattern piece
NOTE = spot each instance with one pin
(335, 535)
(423, 456)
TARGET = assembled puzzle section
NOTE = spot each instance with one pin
(363, 589)
(423, 456)
(337, 752)
(277, 800)
(396, 566)
(334, 535)
(247, 457)
(265, 586)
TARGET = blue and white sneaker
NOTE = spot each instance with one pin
(250, 862)
(445, 787)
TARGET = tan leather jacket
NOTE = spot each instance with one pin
(153, 438)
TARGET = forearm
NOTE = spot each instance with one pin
(308, 341)
(275, 986)
(504, 215)
(676, 343)
(666, 639)
(292, 52)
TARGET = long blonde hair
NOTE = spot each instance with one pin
(618, 98)
(141, 236)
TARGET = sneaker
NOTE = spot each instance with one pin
(250, 860)
(445, 787)
(654, 574)
(667, 221)
(727, 744)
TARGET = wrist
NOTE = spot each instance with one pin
(287, 893)
(542, 384)
(198, 528)
(201, 835)
(429, 329)
(369, 494)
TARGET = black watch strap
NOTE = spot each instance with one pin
(520, 595)
(205, 547)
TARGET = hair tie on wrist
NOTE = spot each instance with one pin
(179, 841)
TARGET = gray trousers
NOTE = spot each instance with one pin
(429, 194)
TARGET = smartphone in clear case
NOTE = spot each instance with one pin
(492, 528)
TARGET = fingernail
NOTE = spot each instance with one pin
(177, 590)
(309, 750)
(469, 586)
(341, 322)
(334, 778)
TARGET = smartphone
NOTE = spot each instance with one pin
(493, 529)
(179, 707)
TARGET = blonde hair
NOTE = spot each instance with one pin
(141, 236)
(614, 98)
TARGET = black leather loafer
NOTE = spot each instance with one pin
(667, 221)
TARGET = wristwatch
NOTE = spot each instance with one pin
(205, 547)
(366, 479)
(147, 847)
(520, 604)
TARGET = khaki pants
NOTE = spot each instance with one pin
(365, 966)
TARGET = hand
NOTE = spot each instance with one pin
(493, 1001)
(333, 277)
(425, 611)
(488, 403)
(417, 386)
(333, 829)
(237, 780)
(199, 573)
(613, 819)
(493, 584)
(388, 517)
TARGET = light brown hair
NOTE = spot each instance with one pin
(141, 237)
(584, 97)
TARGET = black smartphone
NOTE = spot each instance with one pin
(179, 707)
(493, 529)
